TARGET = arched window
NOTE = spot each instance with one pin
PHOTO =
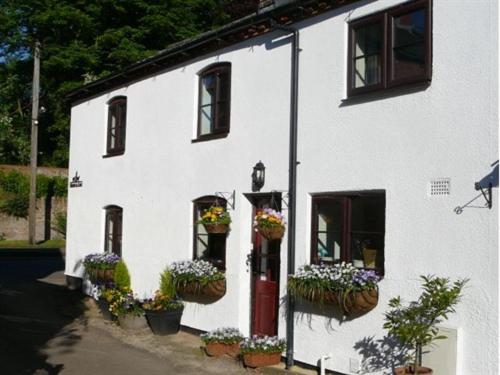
(214, 100)
(208, 246)
(113, 230)
(117, 121)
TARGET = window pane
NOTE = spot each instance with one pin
(409, 28)
(329, 235)
(208, 89)
(368, 40)
(206, 120)
(367, 71)
(409, 61)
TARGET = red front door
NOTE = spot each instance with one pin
(265, 277)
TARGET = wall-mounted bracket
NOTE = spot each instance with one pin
(486, 193)
(228, 196)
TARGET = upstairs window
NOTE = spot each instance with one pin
(208, 246)
(117, 121)
(214, 101)
(349, 227)
(390, 48)
(113, 230)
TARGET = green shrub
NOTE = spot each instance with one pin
(122, 276)
(167, 284)
(16, 206)
(60, 223)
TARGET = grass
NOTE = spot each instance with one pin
(22, 244)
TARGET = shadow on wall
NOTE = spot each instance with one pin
(35, 308)
(381, 355)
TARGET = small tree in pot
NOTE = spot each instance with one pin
(164, 311)
(415, 325)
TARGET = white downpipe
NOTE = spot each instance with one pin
(322, 362)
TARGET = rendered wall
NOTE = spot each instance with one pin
(397, 142)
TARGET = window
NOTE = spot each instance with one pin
(208, 246)
(214, 101)
(117, 120)
(349, 227)
(390, 48)
(113, 230)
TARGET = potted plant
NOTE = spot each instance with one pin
(164, 311)
(198, 278)
(261, 351)
(100, 266)
(215, 219)
(415, 325)
(104, 294)
(354, 290)
(270, 224)
(222, 341)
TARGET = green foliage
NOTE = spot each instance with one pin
(82, 39)
(122, 276)
(415, 325)
(167, 284)
(60, 223)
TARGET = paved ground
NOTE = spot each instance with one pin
(47, 329)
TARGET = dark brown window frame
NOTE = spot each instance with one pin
(386, 18)
(345, 199)
(113, 213)
(118, 105)
(219, 127)
(207, 201)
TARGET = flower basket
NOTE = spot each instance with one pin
(217, 349)
(214, 289)
(216, 228)
(409, 371)
(261, 359)
(271, 233)
(360, 302)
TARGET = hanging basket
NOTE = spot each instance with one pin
(272, 233)
(261, 359)
(216, 228)
(213, 289)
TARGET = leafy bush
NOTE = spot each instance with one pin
(60, 220)
(223, 336)
(122, 276)
(167, 284)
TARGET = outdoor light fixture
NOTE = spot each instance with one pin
(258, 176)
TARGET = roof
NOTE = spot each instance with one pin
(283, 12)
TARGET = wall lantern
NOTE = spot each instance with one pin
(258, 176)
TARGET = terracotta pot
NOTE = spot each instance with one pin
(216, 349)
(360, 302)
(408, 370)
(272, 233)
(216, 228)
(132, 322)
(261, 359)
(215, 289)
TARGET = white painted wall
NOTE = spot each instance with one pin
(397, 143)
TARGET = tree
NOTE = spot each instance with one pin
(82, 40)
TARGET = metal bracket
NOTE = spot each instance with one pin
(284, 197)
(228, 196)
(486, 193)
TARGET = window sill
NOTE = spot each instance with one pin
(209, 137)
(111, 154)
(385, 93)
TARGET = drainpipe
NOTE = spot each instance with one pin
(292, 184)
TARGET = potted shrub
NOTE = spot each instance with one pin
(163, 311)
(198, 278)
(100, 266)
(270, 224)
(215, 219)
(415, 325)
(354, 290)
(261, 351)
(222, 341)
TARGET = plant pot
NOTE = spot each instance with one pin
(104, 309)
(217, 349)
(109, 275)
(369, 258)
(408, 370)
(216, 228)
(272, 233)
(214, 289)
(164, 322)
(132, 322)
(261, 359)
(360, 302)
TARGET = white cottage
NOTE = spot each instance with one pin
(374, 121)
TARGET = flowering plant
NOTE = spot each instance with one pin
(215, 215)
(198, 270)
(262, 344)
(102, 261)
(223, 336)
(161, 301)
(267, 218)
(122, 302)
